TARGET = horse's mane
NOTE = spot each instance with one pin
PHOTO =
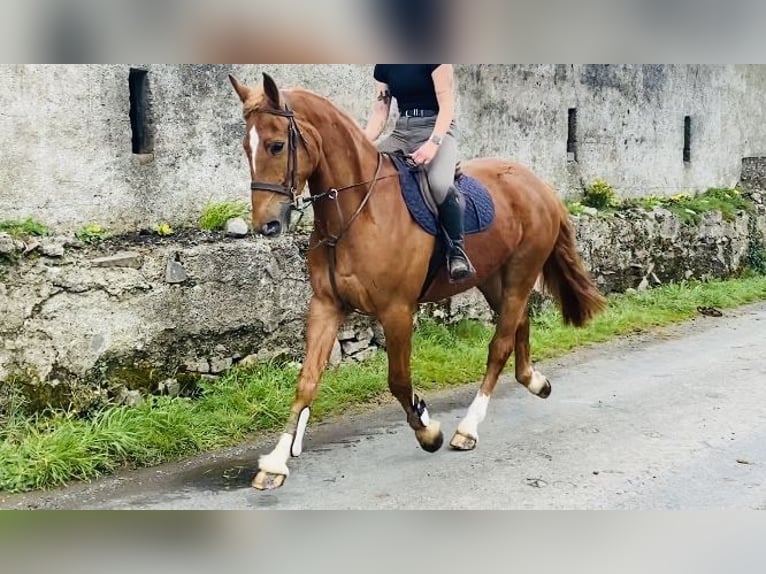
(303, 110)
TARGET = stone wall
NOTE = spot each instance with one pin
(80, 324)
(67, 158)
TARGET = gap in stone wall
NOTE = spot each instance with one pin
(141, 125)
(687, 139)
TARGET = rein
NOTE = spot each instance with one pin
(301, 204)
(331, 242)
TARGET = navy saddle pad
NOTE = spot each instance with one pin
(479, 208)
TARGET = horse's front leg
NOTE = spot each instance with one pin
(322, 329)
(397, 324)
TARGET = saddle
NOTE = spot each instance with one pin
(479, 207)
(479, 212)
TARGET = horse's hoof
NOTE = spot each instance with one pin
(268, 481)
(463, 443)
(540, 386)
(431, 438)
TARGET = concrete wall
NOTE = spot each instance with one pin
(66, 156)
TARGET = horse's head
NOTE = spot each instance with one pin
(277, 153)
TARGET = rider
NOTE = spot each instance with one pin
(425, 94)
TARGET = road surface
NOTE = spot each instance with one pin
(674, 419)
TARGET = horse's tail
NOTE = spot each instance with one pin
(567, 280)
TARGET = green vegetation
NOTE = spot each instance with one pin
(575, 207)
(24, 228)
(600, 195)
(164, 230)
(92, 233)
(43, 451)
(216, 215)
(689, 208)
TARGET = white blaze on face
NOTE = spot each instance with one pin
(254, 141)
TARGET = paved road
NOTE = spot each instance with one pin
(674, 419)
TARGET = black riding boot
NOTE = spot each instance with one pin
(451, 216)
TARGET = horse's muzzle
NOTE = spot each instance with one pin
(280, 222)
(272, 229)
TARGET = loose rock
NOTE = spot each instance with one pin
(52, 249)
(237, 228)
(7, 244)
(130, 398)
(336, 357)
(170, 387)
(218, 366)
(353, 347)
(175, 273)
(128, 259)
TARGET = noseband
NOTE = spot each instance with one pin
(288, 188)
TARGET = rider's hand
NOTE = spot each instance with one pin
(426, 154)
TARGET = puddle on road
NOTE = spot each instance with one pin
(224, 475)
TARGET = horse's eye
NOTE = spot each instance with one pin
(276, 148)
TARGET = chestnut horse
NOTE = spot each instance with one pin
(368, 254)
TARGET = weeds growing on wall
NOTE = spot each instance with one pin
(45, 451)
(687, 207)
(92, 233)
(690, 208)
(164, 230)
(600, 195)
(24, 228)
(215, 215)
(575, 207)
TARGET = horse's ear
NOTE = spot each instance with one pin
(242, 91)
(272, 91)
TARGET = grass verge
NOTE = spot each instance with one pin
(47, 451)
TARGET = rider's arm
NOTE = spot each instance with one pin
(444, 83)
(380, 112)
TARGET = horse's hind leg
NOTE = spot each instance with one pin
(508, 295)
(321, 331)
(397, 324)
(534, 381)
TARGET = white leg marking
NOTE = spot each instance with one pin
(538, 383)
(254, 141)
(276, 462)
(425, 418)
(417, 404)
(303, 421)
(476, 415)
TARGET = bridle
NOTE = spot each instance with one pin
(289, 187)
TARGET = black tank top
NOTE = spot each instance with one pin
(411, 84)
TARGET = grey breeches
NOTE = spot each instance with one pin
(409, 135)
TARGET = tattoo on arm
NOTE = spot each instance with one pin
(385, 97)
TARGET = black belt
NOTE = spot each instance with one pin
(416, 113)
